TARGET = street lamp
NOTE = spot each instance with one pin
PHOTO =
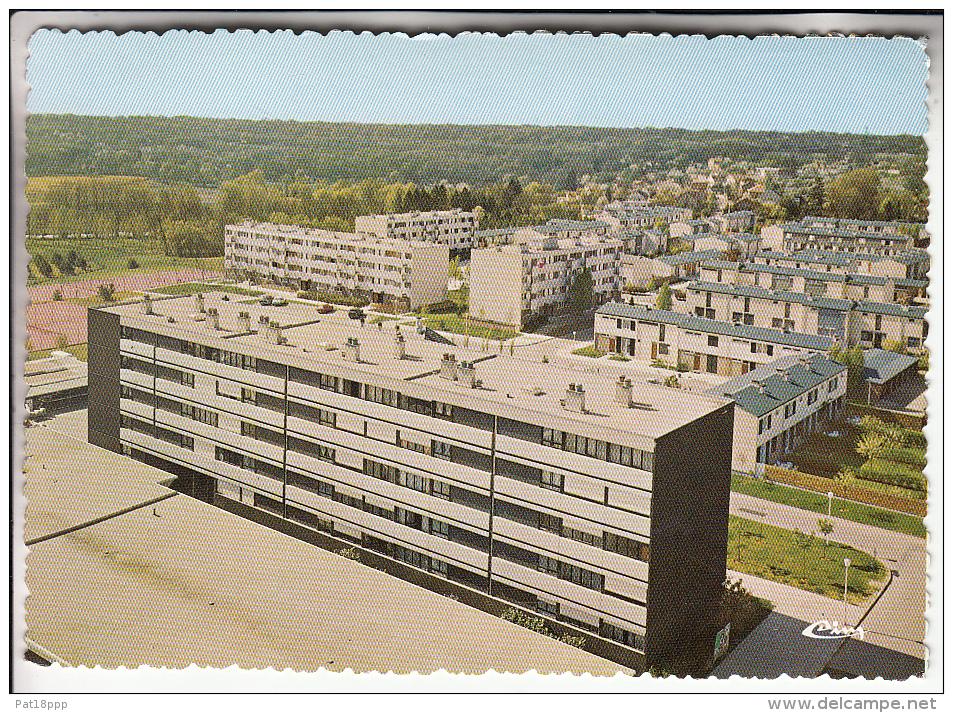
(830, 496)
(846, 568)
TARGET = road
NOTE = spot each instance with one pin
(896, 621)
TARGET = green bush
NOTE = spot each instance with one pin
(444, 307)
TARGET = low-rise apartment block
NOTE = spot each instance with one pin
(827, 234)
(851, 322)
(697, 344)
(908, 265)
(388, 270)
(780, 404)
(591, 501)
(851, 286)
(453, 228)
(509, 283)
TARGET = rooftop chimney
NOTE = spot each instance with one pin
(623, 391)
(213, 313)
(575, 399)
(147, 304)
(244, 321)
(448, 367)
(466, 373)
(352, 350)
(200, 303)
(399, 346)
(762, 389)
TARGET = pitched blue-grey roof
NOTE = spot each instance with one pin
(881, 366)
(643, 313)
(769, 386)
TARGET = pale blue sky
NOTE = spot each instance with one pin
(787, 84)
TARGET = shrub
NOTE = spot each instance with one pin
(442, 307)
(107, 293)
(351, 553)
(683, 367)
(57, 296)
(133, 264)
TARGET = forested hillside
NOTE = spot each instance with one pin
(209, 152)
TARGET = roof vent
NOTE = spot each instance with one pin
(623, 391)
(466, 373)
(200, 303)
(400, 350)
(147, 304)
(575, 399)
(448, 367)
(352, 350)
(216, 324)
(244, 321)
(762, 389)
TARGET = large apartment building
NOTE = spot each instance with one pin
(698, 344)
(846, 321)
(909, 265)
(389, 270)
(509, 283)
(596, 503)
(453, 228)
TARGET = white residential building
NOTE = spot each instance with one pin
(510, 282)
(453, 228)
(386, 270)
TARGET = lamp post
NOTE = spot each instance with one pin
(830, 497)
(846, 568)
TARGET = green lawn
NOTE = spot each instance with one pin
(619, 357)
(454, 323)
(817, 502)
(110, 258)
(77, 350)
(188, 288)
(800, 560)
(383, 318)
(589, 351)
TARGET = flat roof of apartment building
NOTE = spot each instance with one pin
(811, 274)
(56, 373)
(508, 383)
(182, 582)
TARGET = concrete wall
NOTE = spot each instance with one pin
(428, 273)
(103, 365)
(496, 286)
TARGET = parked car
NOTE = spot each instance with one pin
(266, 300)
(325, 308)
(355, 313)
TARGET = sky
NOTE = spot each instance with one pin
(855, 85)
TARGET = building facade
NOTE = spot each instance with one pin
(574, 497)
(780, 404)
(384, 270)
(694, 343)
(453, 228)
(511, 282)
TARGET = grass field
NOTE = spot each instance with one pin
(454, 323)
(817, 502)
(77, 350)
(589, 351)
(800, 560)
(188, 288)
(110, 258)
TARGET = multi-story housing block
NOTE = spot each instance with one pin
(509, 283)
(413, 272)
(851, 286)
(453, 228)
(780, 404)
(818, 234)
(591, 501)
(852, 322)
(697, 344)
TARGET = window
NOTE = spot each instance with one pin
(661, 332)
(663, 348)
(415, 482)
(550, 523)
(380, 395)
(580, 576)
(411, 446)
(553, 439)
(440, 449)
(769, 350)
(440, 489)
(444, 411)
(548, 565)
(438, 567)
(866, 336)
(580, 536)
(548, 608)
(439, 528)
(712, 341)
(551, 481)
